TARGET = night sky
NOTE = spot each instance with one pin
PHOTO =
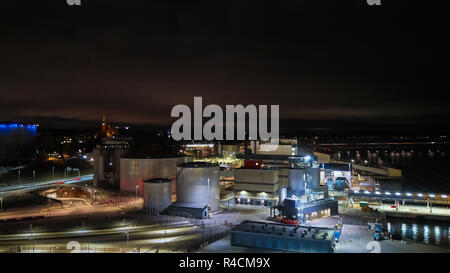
(326, 63)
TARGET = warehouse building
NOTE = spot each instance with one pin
(283, 237)
(188, 210)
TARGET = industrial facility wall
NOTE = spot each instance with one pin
(332, 205)
(188, 212)
(270, 241)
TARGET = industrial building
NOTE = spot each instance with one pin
(337, 176)
(304, 198)
(262, 176)
(135, 169)
(189, 210)
(255, 186)
(270, 179)
(283, 237)
(157, 195)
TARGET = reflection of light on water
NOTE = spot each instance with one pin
(404, 229)
(414, 232)
(437, 234)
(426, 234)
(433, 233)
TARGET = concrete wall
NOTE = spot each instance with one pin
(260, 240)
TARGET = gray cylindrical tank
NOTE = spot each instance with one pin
(157, 195)
(313, 177)
(296, 179)
(198, 182)
(283, 194)
(133, 170)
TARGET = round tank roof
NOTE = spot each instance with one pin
(158, 180)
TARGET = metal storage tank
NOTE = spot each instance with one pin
(157, 195)
(296, 179)
(313, 177)
(134, 170)
(198, 182)
(283, 194)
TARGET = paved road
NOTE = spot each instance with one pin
(44, 184)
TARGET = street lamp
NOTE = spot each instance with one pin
(207, 203)
(31, 236)
(137, 191)
(128, 238)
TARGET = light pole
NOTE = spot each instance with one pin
(207, 202)
(1, 204)
(31, 236)
(128, 238)
(53, 171)
(18, 177)
(34, 178)
(137, 191)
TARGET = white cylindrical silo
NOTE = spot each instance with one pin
(157, 195)
(198, 182)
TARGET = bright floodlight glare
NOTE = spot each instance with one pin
(419, 194)
(356, 191)
(397, 193)
(444, 196)
(377, 192)
(366, 192)
(409, 194)
(388, 193)
(432, 195)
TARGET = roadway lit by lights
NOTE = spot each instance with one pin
(37, 185)
(138, 230)
(408, 194)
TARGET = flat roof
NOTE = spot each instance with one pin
(314, 233)
(270, 156)
(158, 180)
(189, 205)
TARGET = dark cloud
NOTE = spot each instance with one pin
(319, 60)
